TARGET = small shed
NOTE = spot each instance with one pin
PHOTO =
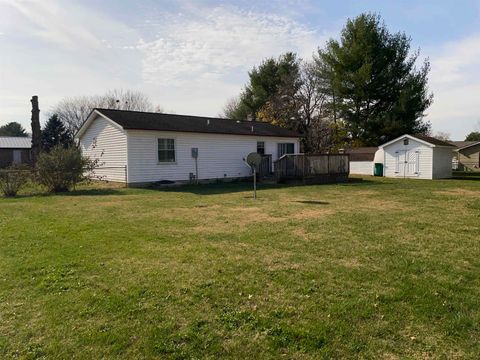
(417, 157)
(15, 150)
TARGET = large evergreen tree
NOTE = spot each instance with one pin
(13, 129)
(55, 133)
(378, 91)
(273, 78)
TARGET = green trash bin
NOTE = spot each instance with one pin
(378, 169)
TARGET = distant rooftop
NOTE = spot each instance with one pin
(464, 144)
(15, 142)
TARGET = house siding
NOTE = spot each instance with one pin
(361, 167)
(219, 155)
(442, 162)
(425, 159)
(106, 143)
(469, 158)
(6, 157)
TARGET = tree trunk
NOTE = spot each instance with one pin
(35, 130)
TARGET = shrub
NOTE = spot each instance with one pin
(13, 178)
(62, 168)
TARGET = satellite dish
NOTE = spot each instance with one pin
(254, 159)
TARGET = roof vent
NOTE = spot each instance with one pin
(252, 128)
(208, 121)
(238, 121)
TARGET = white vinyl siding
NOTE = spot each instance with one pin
(219, 155)
(107, 143)
(417, 160)
(361, 167)
(417, 155)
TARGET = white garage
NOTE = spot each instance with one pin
(417, 157)
(362, 160)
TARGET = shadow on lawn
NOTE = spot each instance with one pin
(242, 186)
(79, 192)
(473, 175)
(92, 192)
(313, 202)
(218, 188)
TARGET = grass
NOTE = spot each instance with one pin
(379, 268)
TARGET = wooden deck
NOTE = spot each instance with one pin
(312, 169)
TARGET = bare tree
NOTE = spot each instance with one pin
(231, 110)
(126, 100)
(73, 111)
(441, 135)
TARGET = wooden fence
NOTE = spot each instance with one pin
(312, 169)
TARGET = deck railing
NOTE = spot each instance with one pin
(312, 168)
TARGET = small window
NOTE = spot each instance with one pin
(285, 148)
(261, 147)
(166, 150)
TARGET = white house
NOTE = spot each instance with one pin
(140, 147)
(417, 157)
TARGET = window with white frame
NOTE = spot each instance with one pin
(286, 148)
(261, 147)
(166, 150)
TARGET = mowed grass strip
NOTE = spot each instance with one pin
(378, 268)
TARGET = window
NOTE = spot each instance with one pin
(17, 156)
(166, 150)
(285, 148)
(261, 147)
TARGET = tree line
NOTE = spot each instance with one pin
(66, 117)
(363, 89)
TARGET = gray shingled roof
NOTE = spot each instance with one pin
(464, 144)
(15, 142)
(432, 140)
(361, 153)
(186, 123)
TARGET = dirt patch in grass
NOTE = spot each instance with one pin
(311, 213)
(459, 192)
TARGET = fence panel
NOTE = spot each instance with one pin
(324, 167)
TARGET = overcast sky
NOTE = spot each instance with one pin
(191, 56)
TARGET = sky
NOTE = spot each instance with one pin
(190, 57)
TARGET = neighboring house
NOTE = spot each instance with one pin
(14, 150)
(361, 160)
(467, 155)
(417, 157)
(140, 147)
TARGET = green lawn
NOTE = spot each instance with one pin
(378, 268)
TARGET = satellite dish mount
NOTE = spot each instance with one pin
(254, 160)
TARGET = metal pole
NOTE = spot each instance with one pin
(126, 177)
(196, 171)
(254, 183)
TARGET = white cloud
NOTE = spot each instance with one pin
(207, 44)
(67, 24)
(455, 81)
